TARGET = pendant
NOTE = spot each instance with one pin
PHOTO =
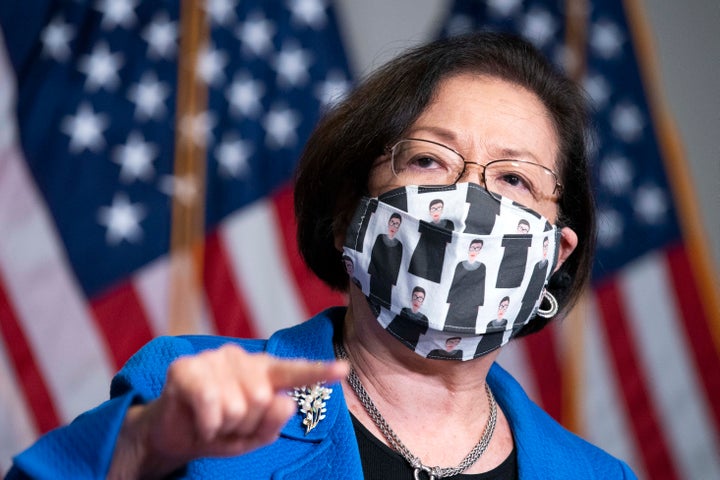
(311, 401)
(423, 468)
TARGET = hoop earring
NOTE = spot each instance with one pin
(554, 307)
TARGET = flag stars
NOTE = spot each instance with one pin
(308, 12)
(256, 34)
(244, 95)
(292, 64)
(85, 129)
(503, 8)
(149, 97)
(616, 174)
(221, 12)
(122, 220)
(210, 65)
(598, 89)
(627, 122)
(232, 155)
(184, 189)
(606, 39)
(161, 36)
(101, 68)
(117, 13)
(56, 37)
(280, 124)
(539, 27)
(651, 204)
(610, 228)
(135, 158)
(333, 88)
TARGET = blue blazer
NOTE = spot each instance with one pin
(84, 448)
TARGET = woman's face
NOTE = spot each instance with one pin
(485, 119)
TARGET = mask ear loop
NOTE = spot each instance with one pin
(554, 307)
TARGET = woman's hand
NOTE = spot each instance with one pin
(220, 402)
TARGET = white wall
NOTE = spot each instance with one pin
(687, 40)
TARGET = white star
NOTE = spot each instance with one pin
(85, 129)
(161, 36)
(101, 68)
(149, 97)
(280, 124)
(627, 122)
(117, 12)
(232, 156)
(503, 8)
(256, 34)
(616, 174)
(651, 204)
(598, 88)
(292, 64)
(185, 189)
(135, 158)
(539, 26)
(610, 228)
(198, 128)
(221, 12)
(308, 12)
(606, 39)
(244, 96)
(56, 37)
(333, 89)
(122, 220)
(210, 65)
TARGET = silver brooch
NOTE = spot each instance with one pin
(312, 403)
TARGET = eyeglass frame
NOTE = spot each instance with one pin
(554, 196)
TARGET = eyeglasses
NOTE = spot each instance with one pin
(416, 161)
(418, 298)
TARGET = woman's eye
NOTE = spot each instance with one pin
(516, 181)
(424, 162)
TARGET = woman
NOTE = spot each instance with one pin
(481, 122)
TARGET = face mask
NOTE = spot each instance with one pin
(452, 272)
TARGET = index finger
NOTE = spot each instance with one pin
(286, 374)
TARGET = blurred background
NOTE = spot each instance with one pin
(146, 157)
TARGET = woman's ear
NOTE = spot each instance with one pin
(568, 242)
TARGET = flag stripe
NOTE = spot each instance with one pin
(644, 419)
(121, 317)
(697, 331)
(260, 268)
(32, 383)
(663, 353)
(151, 286)
(228, 308)
(314, 293)
(544, 361)
(605, 414)
(514, 358)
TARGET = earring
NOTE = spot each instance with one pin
(554, 307)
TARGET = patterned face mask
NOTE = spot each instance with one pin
(452, 272)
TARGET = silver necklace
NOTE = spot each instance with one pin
(431, 472)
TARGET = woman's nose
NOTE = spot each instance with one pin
(473, 173)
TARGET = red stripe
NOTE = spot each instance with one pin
(643, 416)
(227, 305)
(122, 320)
(315, 294)
(27, 372)
(544, 361)
(697, 327)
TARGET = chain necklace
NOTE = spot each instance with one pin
(392, 438)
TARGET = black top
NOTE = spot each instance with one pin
(381, 462)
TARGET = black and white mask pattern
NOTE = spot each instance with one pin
(452, 272)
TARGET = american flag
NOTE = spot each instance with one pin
(96, 100)
(635, 367)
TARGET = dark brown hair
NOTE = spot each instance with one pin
(334, 168)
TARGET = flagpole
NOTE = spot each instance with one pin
(673, 157)
(187, 235)
(576, 17)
